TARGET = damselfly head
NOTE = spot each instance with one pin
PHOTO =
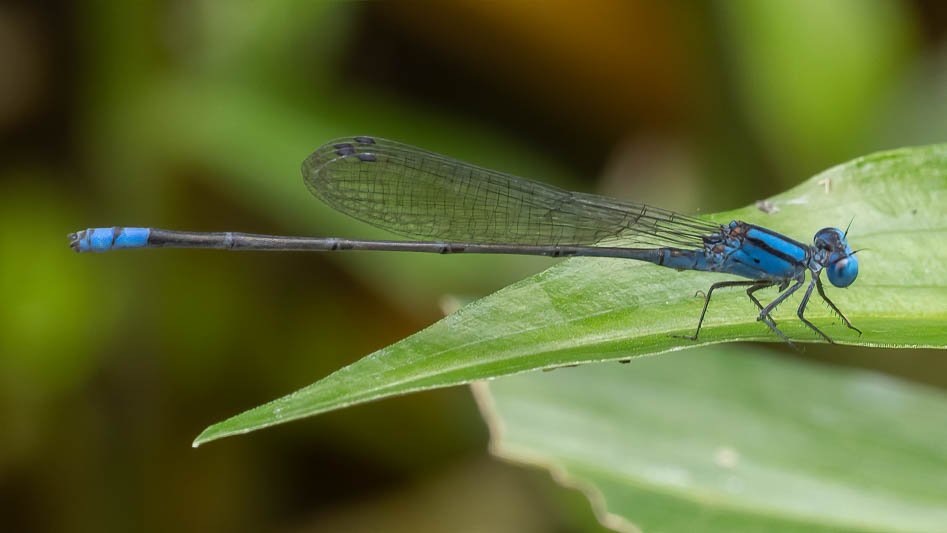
(841, 264)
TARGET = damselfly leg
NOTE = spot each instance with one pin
(802, 309)
(754, 286)
(764, 314)
(818, 285)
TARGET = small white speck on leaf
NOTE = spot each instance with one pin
(726, 457)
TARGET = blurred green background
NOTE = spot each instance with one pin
(196, 115)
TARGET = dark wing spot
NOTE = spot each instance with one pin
(344, 149)
(366, 157)
(364, 140)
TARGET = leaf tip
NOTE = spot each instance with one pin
(211, 433)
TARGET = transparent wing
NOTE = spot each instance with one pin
(423, 195)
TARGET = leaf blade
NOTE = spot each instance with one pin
(721, 439)
(586, 309)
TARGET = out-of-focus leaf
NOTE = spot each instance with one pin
(732, 439)
(810, 75)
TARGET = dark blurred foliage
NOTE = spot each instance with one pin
(196, 115)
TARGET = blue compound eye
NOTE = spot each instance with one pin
(843, 271)
(830, 239)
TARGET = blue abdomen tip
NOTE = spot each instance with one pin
(105, 239)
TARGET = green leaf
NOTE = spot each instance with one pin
(806, 106)
(587, 309)
(732, 439)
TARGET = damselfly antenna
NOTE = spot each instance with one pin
(845, 236)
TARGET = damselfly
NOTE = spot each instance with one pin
(462, 208)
